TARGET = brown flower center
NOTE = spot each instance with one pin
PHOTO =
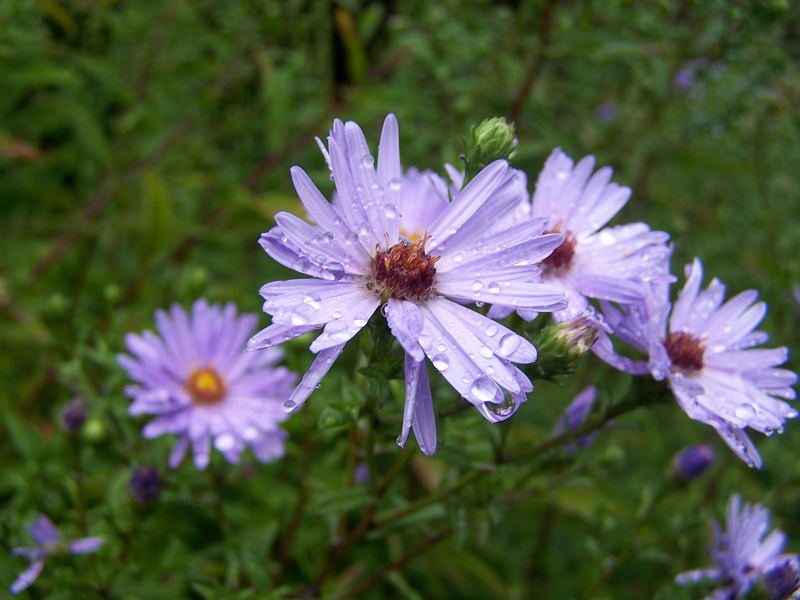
(561, 258)
(685, 351)
(205, 386)
(403, 271)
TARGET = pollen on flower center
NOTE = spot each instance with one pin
(561, 258)
(685, 351)
(205, 386)
(403, 271)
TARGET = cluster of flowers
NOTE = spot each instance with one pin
(423, 249)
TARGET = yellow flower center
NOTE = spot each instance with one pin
(205, 386)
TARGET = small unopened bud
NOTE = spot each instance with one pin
(781, 582)
(145, 485)
(575, 415)
(693, 461)
(578, 335)
(491, 140)
(73, 416)
(560, 345)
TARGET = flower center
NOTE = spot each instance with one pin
(561, 258)
(403, 271)
(685, 351)
(205, 386)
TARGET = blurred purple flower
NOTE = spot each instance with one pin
(705, 349)
(359, 258)
(606, 112)
(575, 415)
(203, 386)
(617, 264)
(741, 553)
(74, 416)
(796, 293)
(145, 485)
(783, 581)
(50, 542)
(693, 461)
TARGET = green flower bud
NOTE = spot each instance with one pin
(493, 139)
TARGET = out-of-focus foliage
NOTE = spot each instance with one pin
(145, 145)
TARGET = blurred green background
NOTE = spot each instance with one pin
(145, 145)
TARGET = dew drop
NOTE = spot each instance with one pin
(508, 344)
(477, 285)
(493, 287)
(359, 322)
(395, 184)
(390, 210)
(745, 412)
(441, 362)
(486, 352)
(367, 161)
(606, 237)
(224, 442)
(313, 300)
(491, 330)
(333, 270)
(483, 389)
(562, 175)
(289, 405)
(298, 319)
(441, 348)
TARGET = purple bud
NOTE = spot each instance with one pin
(782, 581)
(73, 416)
(693, 461)
(145, 485)
(606, 112)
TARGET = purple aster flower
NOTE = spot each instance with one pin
(202, 385)
(50, 542)
(576, 414)
(358, 260)
(693, 461)
(741, 553)
(705, 349)
(616, 264)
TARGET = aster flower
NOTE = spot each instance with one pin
(202, 385)
(360, 256)
(616, 264)
(50, 542)
(706, 351)
(741, 553)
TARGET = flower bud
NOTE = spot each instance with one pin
(493, 139)
(781, 582)
(73, 416)
(145, 485)
(693, 461)
(577, 335)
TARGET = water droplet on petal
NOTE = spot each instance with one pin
(491, 330)
(477, 285)
(508, 344)
(493, 287)
(441, 348)
(390, 210)
(313, 300)
(483, 389)
(333, 270)
(224, 442)
(367, 161)
(298, 319)
(396, 184)
(441, 362)
(745, 412)
(606, 237)
(359, 322)
(486, 352)
(289, 405)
